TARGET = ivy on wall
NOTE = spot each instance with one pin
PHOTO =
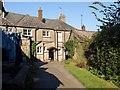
(70, 45)
(33, 49)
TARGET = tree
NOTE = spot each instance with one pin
(111, 14)
(103, 53)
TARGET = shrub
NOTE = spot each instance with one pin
(103, 54)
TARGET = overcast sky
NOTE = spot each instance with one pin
(51, 10)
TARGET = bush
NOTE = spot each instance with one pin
(103, 54)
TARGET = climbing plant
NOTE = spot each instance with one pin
(70, 46)
(33, 49)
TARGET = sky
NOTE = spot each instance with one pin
(51, 10)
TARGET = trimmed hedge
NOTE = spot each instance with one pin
(103, 54)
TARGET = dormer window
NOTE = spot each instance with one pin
(46, 33)
(27, 32)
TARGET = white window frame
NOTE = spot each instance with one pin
(39, 50)
(27, 32)
(59, 36)
(46, 33)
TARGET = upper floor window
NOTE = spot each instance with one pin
(59, 37)
(46, 33)
(27, 32)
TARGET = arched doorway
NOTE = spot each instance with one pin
(52, 53)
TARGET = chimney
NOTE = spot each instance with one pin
(62, 17)
(40, 14)
(83, 28)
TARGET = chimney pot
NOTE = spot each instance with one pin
(83, 28)
(62, 17)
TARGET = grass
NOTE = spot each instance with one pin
(87, 79)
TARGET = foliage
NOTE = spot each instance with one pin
(33, 49)
(111, 14)
(79, 58)
(70, 46)
(87, 79)
(103, 54)
(76, 52)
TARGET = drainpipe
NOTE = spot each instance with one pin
(64, 47)
(57, 46)
(54, 45)
(43, 51)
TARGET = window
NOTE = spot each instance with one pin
(59, 51)
(39, 50)
(27, 32)
(59, 37)
(46, 33)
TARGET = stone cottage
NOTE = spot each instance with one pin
(49, 35)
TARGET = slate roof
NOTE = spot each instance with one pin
(30, 21)
(4, 21)
(14, 17)
(21, 20)
(84, 34)
(57, 24)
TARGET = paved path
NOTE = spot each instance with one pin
(53, 75)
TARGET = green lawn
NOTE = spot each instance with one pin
(87, 79)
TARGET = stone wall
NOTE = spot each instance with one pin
(25, 47)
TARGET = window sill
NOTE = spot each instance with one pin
(46, 37)
(60, 41)
(27, 35)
